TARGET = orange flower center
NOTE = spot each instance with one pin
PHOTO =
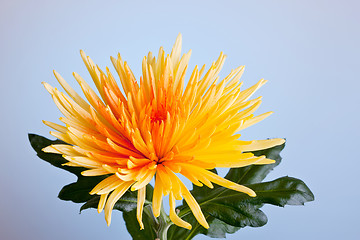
(158, 115)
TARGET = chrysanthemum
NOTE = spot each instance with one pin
(160, 128)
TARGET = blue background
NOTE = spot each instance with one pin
(308, 50)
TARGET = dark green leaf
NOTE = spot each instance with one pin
(231, 210)
(237, 214)
(78, 192)
(282, 191)
(218, 229)
(92, 203)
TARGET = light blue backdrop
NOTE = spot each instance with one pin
(308, 50)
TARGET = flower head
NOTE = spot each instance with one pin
(160, 128)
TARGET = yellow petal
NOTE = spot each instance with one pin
(174, 217)
(114, 196)
(262, 144)
(74, 95)
(240, 162)
(228, 184)
(194, 206)
(104, 183)
(94, 172)
(55, 126)
(140, 206)
(83, 161)
(254, 120)
(264, 161)
(157, 196)
(102, 201)
(144, 181)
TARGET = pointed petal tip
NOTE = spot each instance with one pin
(271, 162)
(108, 218)
(206, 225)
(249, 192)
(179, 36)
(278, 141)
(46, 149)
(48, 87)
(92, 192)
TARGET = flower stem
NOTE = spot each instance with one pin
(161, 224)
(164, 224)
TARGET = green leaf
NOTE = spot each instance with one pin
(282, 191)
(218, 229)
(226, 213)
(92, 203)
(231, 210)
(78, 191)
(240, 210)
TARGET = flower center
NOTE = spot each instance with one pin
(158, 116)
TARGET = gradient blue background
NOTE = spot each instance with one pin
(308, 50)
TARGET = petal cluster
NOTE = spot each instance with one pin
(159, 128)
